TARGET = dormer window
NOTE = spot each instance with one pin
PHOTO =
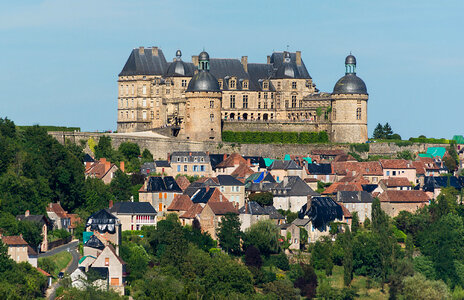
(220, 84)
(245, 84)
(232, 83)
(265, 85)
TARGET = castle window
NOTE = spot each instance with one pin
(359, 102)
(144, 89)
(132, 89)
(133, 116)
(265, 95)
(272, 95)
(127, 90)
(152, 115)
(211, 104)
(168, 83)
(293, 101)
(259, 104)
(168, 91)
(278, 84)
(157, 103)
(144, 102)
(122, 115)
(232, 101)
(184, 82)
(286, 103)
(259, 95)
(151, 103)
(157, 91)
(157, 114)
(265, 104)
(272, 105)
(293, 84)
(211, 117)
(245, 101)
(185, 159)
(232, 83)
(358, 113)
(300, 103)
(127, 115)
(245, 84)
(265, 85)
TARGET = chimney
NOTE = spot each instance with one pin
(249, 162)
(27, 213)
(245, 63)
(122, 166)
(195, 60)
(87, 164)
(141, 50)
(298, 58)
(102, 160)
(110, 205)
(268, 59)
(225, 156)
(338, 196)
(190, 153)
(207, 153)
(107, 166)
(154, 51)
(169, 157)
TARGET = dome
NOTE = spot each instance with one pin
(203, 56)
(178, 68)
(350, 84)
(350, 60)
(203, 81)
(287, 70)
(178, 54)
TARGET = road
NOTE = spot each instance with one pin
(71, 248)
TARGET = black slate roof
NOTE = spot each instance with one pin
(94, 242)
(293, 186)
(133, 208)
(202, 195)
(215, 159)
(277, 60)
(163, 184)
(256, 161)
(163, 163)
(228, 180)
(103, 221)
(88, 158)
(322, 212)
(354, 197)
(273, 212)
(369, 187)
(319, 169)
(431, 183)
(145, 63)
(34, 218)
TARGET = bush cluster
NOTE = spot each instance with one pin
(257, 137)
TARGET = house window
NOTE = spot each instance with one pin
(394, 173)
(107, 261)
(259, 95)
(232, 83)
(259, 104)
(265, 105)
(245, 101)
(293, 101)
(265, 95)
(272, 106)
(178, 168)
(388, 173)
(184, 82)
(358, 113)
(202, 168)
(211, 104)
(195, 168)
(232, 101)
(294, 85)
(202, 159)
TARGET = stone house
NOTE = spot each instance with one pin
(252, 212)
(182, 182)
(370, 170)
(283, 168)
(291, 232)
(133, 215)
(242, 172)
(393, 201)
(326, 155)
(106, 227)
(191, 214)
(180, 204)
(212, 213)
(103, 170)
(398, 168)
(321, 172)
(92, 247)
(60, 217)
(232, 189)
(360, 202)
(395, 183)
(109, 259)
(230, 163)
(159, 192)
(191, 163)
(291, 194)
(147, 168)
(164, 167)
(19, 250)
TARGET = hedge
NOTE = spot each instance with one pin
(257, 137)
(54, 128)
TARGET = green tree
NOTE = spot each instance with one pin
(263, 199)
(104, 149)
(321, 256)
(354, 222)
(387, 131)
(418, 287)
(253, 257)
(147, 156)
(378, 132)
(129, 150)
(32, 233)
(347, 257)
(121, 186)
(229, 233)
(264, 235)
(307, 283)
(96, 194)
(5, 261)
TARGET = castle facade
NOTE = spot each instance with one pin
(280, 93)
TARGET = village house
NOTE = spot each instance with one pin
(159, 192)
(283, 168)
(60, 217)
(147, 167)
(398, 168)
(393, 201)
(291, 232)
(182, 182)
(360, 202)
(321, 172)
(326, 155)
(252, 212)
(109, 259)
(133, 215)
(242, 172)
(191, 163)
(41, 221)
(230, 163)
(212, 213)
(103, 170)
(191, 214)
(164, 167)
(395, 183)
(370, 170)
(180, 204)
(19, 250)
(105, 226)
(291, 194)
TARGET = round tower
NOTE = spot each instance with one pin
(349, 106)
(203, 105)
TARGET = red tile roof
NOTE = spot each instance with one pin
(192, 212)
(344, 157)
(396, 164)
(74, 220)
(396, 181)
(14, 240)
(99, 168)
(233, 160)
(404, 196)
(180, 203)
(221, 208)
(420, 167)
(352, 168)
(429, 163)
(58, 210)
(343, 186)
(43, 272)
(182, 182)
(217, 196)
(358, 178)
(346, 212)
(242, 171)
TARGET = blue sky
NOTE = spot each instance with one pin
(59, 59)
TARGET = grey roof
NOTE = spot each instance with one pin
(350, 84)
(94, 242)
(163, 184)
(260, 186)
(319, 169)
(192, 188)
(252, 208)
(133, 208)
(190, 156)
(293, 186)
(179, 68)
(436, 182)
(163, 164)
(354, 197)
(145, 63)
(284, 165)
(301, 222)
(203, 81)
(273, 213)
(33, 218)
(228, 180)
(277, 60)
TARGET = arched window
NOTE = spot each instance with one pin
(358, 113)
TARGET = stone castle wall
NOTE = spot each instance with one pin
(160, 147)
(275, 126)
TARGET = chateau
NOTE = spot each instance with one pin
(199, 99)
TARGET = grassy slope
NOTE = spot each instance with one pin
(61, 260)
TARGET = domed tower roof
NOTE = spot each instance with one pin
(203, 81)
(287, 69)
(178, 67)
(350, 83)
